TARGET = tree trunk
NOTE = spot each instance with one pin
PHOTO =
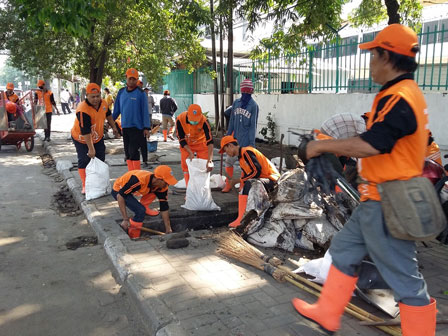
(230, 55)
(392, 11)
(215, 80)
(221, 73)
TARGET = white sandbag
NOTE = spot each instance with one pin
(180, 184)
(199, 195)
(303, 242)
(291, 186)
(217, 181)
(295, 211)
(97, 179)
(275, 233)
(319, 231)
(317, 268)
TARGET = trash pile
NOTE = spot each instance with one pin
(296, 216)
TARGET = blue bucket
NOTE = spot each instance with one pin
(152, 146)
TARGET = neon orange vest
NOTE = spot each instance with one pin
(194, 134)
(144, 178)
(268, 170)
(12, 98)
(408, 154)
(45, 100)
(97, 118)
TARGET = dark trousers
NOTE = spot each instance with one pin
(268, 184)
(65, 107)
(134, 205)
(144, 149)
(132, 141)
(48, 129)
(82, 150)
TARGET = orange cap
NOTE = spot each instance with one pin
(225, 141)
(396, 38)
(9, 86)
(194, 112)
(166, 92)
(132, 73)
(165, 173)
(40, 82)
(93, 88)
(11, 107)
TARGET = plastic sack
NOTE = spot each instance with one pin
(317, 268)
(217, 181)
(180, 184)
(199, 195)
(97, 179)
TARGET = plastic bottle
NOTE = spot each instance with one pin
(444, 193)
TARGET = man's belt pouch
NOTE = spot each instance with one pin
(412, 209)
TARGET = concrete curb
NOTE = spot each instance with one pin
(156, 317)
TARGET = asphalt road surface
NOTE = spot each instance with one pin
(45, 288)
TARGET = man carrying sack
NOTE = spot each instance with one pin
(392, 152)
(149, 186)
(254, 165)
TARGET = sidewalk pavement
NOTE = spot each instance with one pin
(194, 290)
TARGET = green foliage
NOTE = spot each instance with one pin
(371, 12)
(269, 132)
(8, 73)
(105, 37)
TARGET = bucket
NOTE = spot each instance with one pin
(152, 146)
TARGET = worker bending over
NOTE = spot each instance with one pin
(149, 186)
(195, 137)
(254, 165)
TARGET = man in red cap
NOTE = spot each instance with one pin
(132, 104)
(242, 124)
(149, 186)
(195, 137)
(392, 148)
(88, 129)
(45, 97)
(254, 165)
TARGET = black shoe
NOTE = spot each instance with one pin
(48, 139)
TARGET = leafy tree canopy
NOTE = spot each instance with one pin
(103, 37)
(298, 20)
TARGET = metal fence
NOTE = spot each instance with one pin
(339, 66)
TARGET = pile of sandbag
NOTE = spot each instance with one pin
(296, 216)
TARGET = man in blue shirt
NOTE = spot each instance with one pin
(132, 105)
(242, 125)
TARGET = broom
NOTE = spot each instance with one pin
(233, 246)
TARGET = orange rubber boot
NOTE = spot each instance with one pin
(418, 320)
(333, 299)
(228, 187)
(242, 203)
(130, 165)
(164, 135)
(134, 229)
(146, 201)
(82, 175)
(137, 165)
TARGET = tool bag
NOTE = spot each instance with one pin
(412, 209)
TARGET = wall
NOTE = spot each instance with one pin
(303, 112)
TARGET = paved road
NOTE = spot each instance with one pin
(45, 288)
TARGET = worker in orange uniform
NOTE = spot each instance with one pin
(195, 137)
(43, 96)
(87, 131)
(254, 165)
(148, 185)
(392, 148)
(15, 109)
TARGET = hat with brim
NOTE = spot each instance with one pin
(132, 73)
(166, 174)
(396, 38)
(93, 88)
(194, 113)
(225, 141)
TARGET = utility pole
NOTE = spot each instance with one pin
(230, 88)
(221, 72)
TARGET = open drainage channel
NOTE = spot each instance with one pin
(64, 204)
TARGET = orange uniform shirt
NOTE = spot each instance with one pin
(96, 121)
